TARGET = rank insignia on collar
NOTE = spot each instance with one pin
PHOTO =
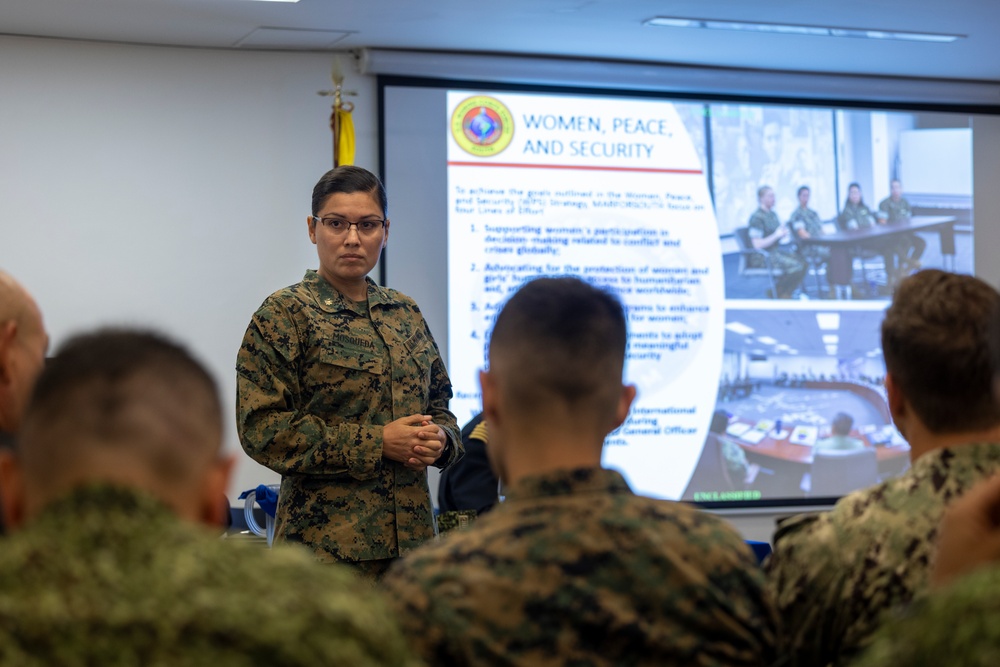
(329, 302)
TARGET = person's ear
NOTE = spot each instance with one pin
(624, 404)
(385, 236)
(11, 490)
(487, 385)
(8, 337)
(897, 403)
(311, 225)
(214, 488)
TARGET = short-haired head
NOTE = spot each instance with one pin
(803, 188)
(121, 406)
(348, 179)
(842, 424)
(560, 343)
(936, 345)
(763, 190)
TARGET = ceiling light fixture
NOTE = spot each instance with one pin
(828, 321)
(791, 29)
(739, 328)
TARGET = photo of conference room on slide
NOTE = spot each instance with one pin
(821, 203)
(801, 410)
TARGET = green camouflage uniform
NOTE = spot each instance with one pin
(793, 267)
(954, 627)
(318, 376)
(808, 220)
(855, 217)
(908, 246)
(860, 217)
(575, 569)
(109, 576)
(835, 575)
(896, 211)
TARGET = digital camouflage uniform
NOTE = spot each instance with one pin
(954, 627)
(793, 268)
(860, 217)
(896, 211)
(318, 376)
(855, 217)
(575, 569)
(836, 575)
(909, 246)
(807, 220)
(109, 576)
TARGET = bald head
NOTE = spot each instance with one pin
(23, 342)
(123, 407)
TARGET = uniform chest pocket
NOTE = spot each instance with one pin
(420, 352)
(344, 381)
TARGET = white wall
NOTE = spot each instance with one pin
(164, 187)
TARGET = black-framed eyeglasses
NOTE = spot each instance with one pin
(339, 226)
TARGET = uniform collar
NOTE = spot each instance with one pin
(329, 298)
(948, 457)
(567, 482)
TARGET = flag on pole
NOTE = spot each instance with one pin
(343, 134)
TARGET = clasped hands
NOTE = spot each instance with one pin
(415, 441)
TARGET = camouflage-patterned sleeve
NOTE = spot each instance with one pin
(805, 581)
(954, 626)
(272, 427)
(440, 396)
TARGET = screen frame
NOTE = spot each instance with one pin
(834, 103)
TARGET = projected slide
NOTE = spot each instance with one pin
(613, 192)
(755, 247)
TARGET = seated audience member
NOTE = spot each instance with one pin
(469, 484)
(767, 234)
(895, 208)
(836, 576)
(955, 625)
(805, 223)
(117, 463)
(740, 471)
(23, 342)
(574, 568)
(840, 435)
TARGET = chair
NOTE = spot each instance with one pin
(838, 472)
(711, 473)
(747, 251)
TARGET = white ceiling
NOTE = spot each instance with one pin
(605, 29)
(858, 335)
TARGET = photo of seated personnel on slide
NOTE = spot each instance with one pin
(870, 238)
(799, 388)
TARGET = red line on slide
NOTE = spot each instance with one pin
(572, 166)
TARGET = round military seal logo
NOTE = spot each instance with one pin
(482, 126)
